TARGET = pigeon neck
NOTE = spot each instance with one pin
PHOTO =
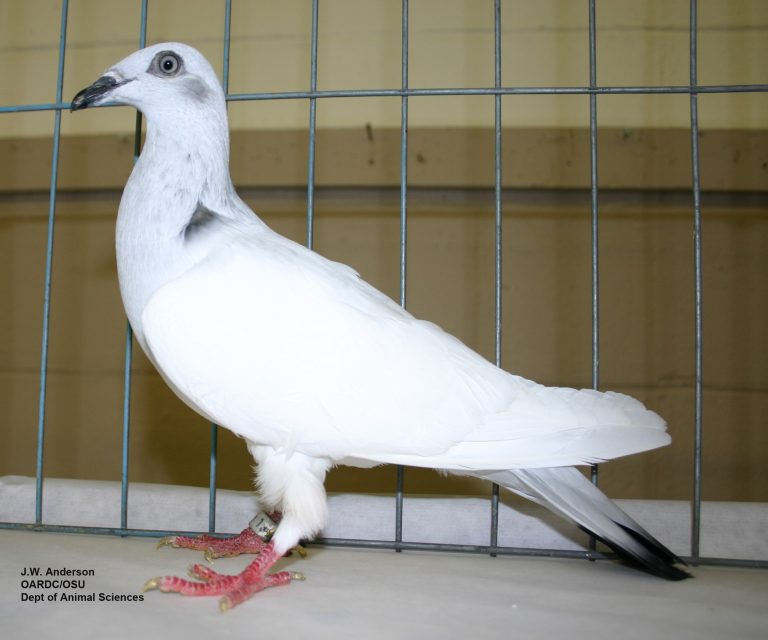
(180, 169)
(194, 154)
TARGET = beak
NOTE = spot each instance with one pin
(93, 94)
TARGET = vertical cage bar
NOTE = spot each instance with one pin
(594, 220)
(696, 187)
(404, 157)
(594, 197)
(594, 193)
(126, 430)
(214, 452)
(128, 358)
(49, 269)
(497, 183)
(399, 470)
(312, 128)
(227, 46)
(214, 446)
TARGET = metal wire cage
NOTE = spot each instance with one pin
(405, 92)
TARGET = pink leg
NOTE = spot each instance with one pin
(234, 589)
(252, 539)
(247, 541)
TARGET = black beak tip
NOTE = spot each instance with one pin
(93, 94)
(79, 102)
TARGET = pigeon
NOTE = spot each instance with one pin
(313, 366)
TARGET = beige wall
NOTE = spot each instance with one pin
(544, 43)
(647, 311)
(646, 249)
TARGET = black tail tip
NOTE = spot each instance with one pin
(667, 571)
(648, 555)
(655, 557)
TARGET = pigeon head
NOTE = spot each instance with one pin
(166, 77)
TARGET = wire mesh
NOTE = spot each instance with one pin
(404, 92)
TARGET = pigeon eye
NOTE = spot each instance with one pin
(168, 64)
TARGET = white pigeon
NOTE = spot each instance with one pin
(314, 367)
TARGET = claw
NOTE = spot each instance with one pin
(224, 605)
(152, 583)
(295, 575)
(169, 541)
(300, 550)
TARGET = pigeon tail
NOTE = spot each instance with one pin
(566, 492)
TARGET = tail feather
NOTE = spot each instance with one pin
(566, 492)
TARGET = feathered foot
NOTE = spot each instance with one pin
(234, 588)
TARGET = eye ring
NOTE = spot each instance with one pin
(168, 63)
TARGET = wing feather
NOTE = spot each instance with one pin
(330, 366)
